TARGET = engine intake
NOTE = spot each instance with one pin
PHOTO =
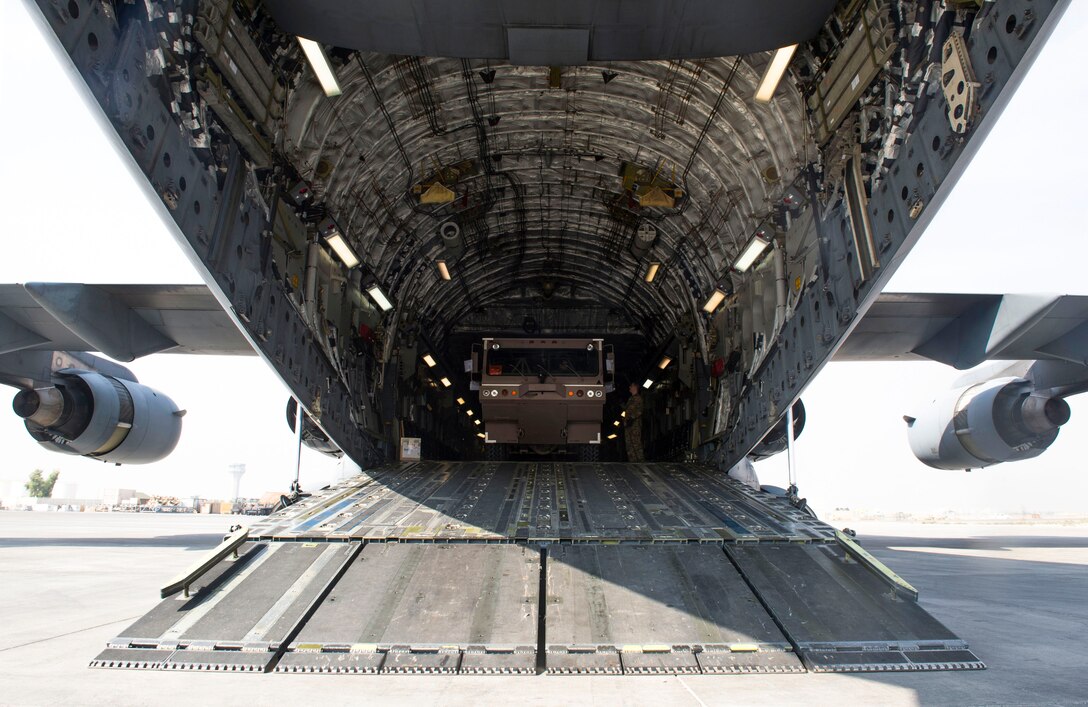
(93, 415)
(988, 423)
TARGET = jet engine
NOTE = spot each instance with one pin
(988, 423)
(98, 416)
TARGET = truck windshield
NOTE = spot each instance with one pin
(551, 362)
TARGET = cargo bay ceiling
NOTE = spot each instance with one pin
(555, 185)
(535, 179)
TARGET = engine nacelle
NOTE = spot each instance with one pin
(312, 435)
(775, 441)
(105, 418)
(988, 423)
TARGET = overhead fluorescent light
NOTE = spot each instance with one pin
(623, 414)
(378, 296)
(340, 246)
(469, 413)
(612, 436)
(616, 423)
(750, 252)
(460, 401)
(712, 303)
(443, 271)
(476, 421)
(445, 382)
(649, 382)
(320, 64)
(429, 360)
(665, 361)
(774, 73)
(651, 271)
(481, 435)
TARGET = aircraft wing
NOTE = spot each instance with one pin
(122, 321)
(963, 330)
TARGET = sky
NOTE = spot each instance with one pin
(71, 211)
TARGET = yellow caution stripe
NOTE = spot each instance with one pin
(657, 648)
(652, 648)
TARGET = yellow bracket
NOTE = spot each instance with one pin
(437, 193)
(656, 197)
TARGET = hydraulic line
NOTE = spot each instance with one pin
(709, 120)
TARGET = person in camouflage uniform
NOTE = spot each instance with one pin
(633, 425)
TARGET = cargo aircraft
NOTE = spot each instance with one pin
(718, 191)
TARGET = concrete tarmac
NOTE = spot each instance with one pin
(71, 581)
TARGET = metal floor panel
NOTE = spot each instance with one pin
(432, 596)
(842, 616)
(562, 502)
(167, 613)
(654, 608)
(292, 572)
(238, 620)
(438, 568)
(423, 606)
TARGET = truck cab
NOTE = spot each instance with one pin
(543, 395)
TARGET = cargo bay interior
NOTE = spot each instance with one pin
(606, 200)
(658, 202)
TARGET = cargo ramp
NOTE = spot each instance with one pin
(527, 568)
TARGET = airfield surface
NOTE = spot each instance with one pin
(72, 580)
